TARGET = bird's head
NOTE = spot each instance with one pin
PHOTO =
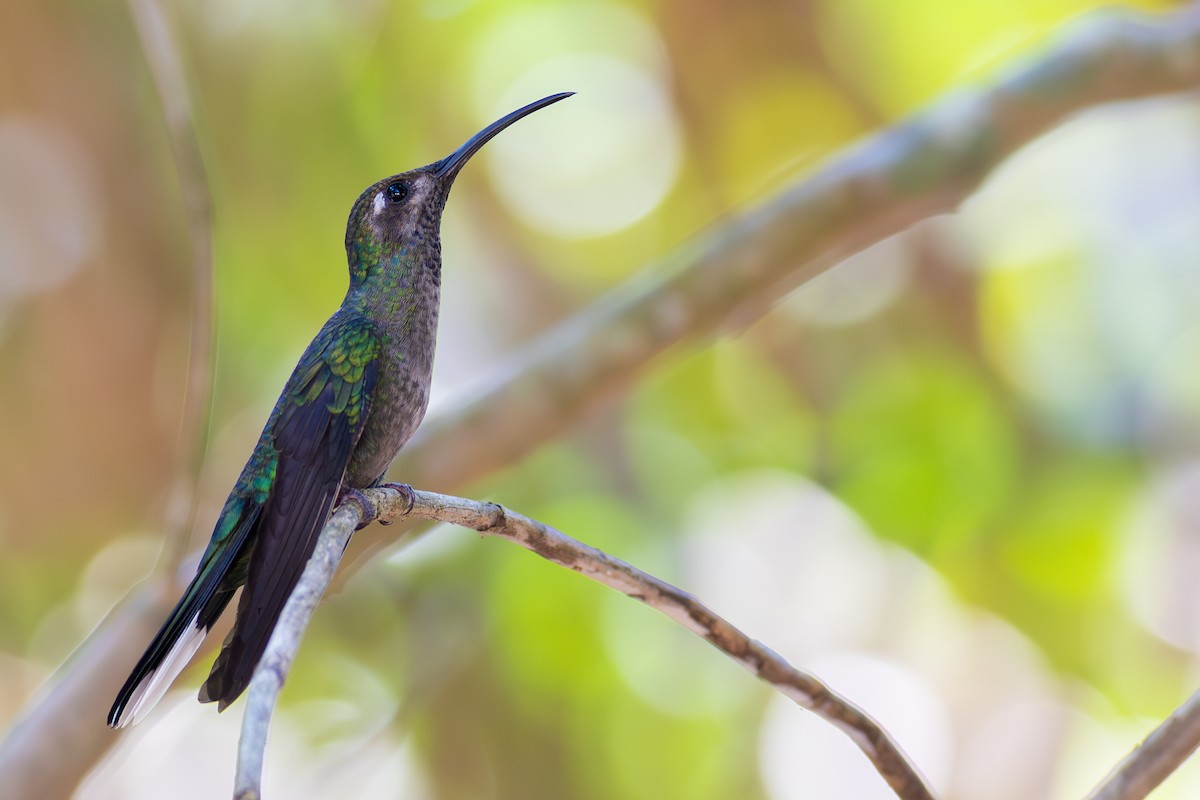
(404, 211)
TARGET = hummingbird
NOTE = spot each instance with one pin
(358, 393)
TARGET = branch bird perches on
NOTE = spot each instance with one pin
(491, 519)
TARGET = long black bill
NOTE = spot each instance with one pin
(451, 164)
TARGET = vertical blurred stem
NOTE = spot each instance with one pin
(62, 735)
(166, 67)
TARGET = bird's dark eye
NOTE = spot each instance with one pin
(397, 192)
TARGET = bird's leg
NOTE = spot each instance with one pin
(369, 515)
(368, 511)
(405, 491)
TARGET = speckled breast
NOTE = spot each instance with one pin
(401, 394)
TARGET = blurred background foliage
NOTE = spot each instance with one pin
(957, 477)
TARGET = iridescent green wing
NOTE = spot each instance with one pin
(220, 573)
(312, 431)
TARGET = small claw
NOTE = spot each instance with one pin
(368, 511)
(405, 491)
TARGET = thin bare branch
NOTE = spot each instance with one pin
(281, 650)
(490, 519)
(1160, 754)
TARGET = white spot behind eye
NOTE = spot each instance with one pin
(379, 201)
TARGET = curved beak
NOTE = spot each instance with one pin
(449, 166)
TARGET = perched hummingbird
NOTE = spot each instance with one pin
(357, 395)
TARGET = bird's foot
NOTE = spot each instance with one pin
(368, 510)
(405, 491)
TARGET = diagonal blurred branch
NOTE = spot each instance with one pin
(922, 166)
(1162, 752)
(490, 519)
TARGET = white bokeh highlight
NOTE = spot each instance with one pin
(1086, 241)
(1161, 557)
(856, 289)
(50, 206)
(601, 161)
